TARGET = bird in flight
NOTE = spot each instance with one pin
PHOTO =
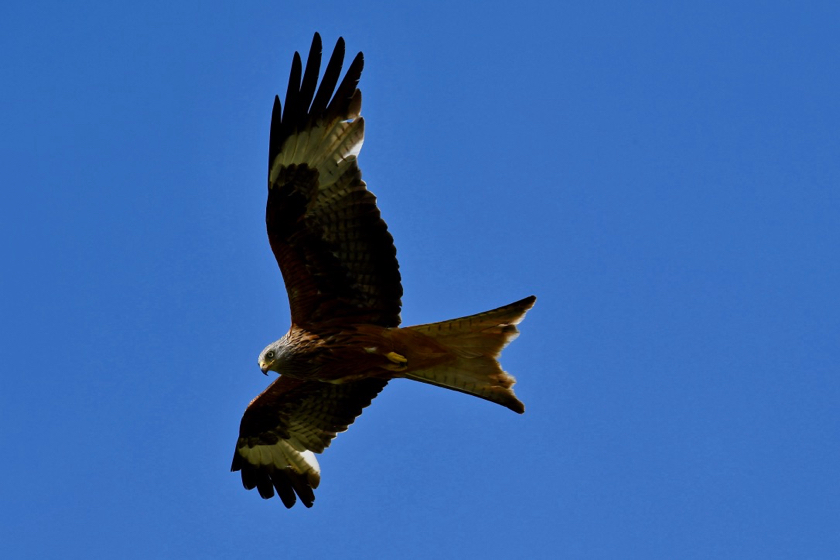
(341, 273)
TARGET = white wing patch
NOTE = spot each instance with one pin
(330, 149)
(282, 455)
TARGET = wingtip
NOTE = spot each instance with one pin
(316, 49)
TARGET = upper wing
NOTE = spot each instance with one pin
(285, 424)
(337, 257)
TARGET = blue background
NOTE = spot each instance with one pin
(662, 175)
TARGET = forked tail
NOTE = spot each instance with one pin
(475, 343)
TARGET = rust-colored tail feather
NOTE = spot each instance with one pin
(475, 342)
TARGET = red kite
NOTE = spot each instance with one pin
(340, 269)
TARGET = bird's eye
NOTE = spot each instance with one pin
(270, 354)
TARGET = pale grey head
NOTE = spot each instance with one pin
(271, 356)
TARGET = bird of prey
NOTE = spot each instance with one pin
(340, 269)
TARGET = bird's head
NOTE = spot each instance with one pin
(270, 358)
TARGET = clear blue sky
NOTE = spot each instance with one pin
(663, 176)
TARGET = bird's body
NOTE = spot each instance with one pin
(352, 352)
(342, 278)
(348, 353)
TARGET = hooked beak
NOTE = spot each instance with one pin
(264, 369)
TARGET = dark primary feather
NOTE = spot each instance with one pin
(337, 257)
(331, 75)
(306, 414)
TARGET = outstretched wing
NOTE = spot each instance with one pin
(337, 257)
(286, 424)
